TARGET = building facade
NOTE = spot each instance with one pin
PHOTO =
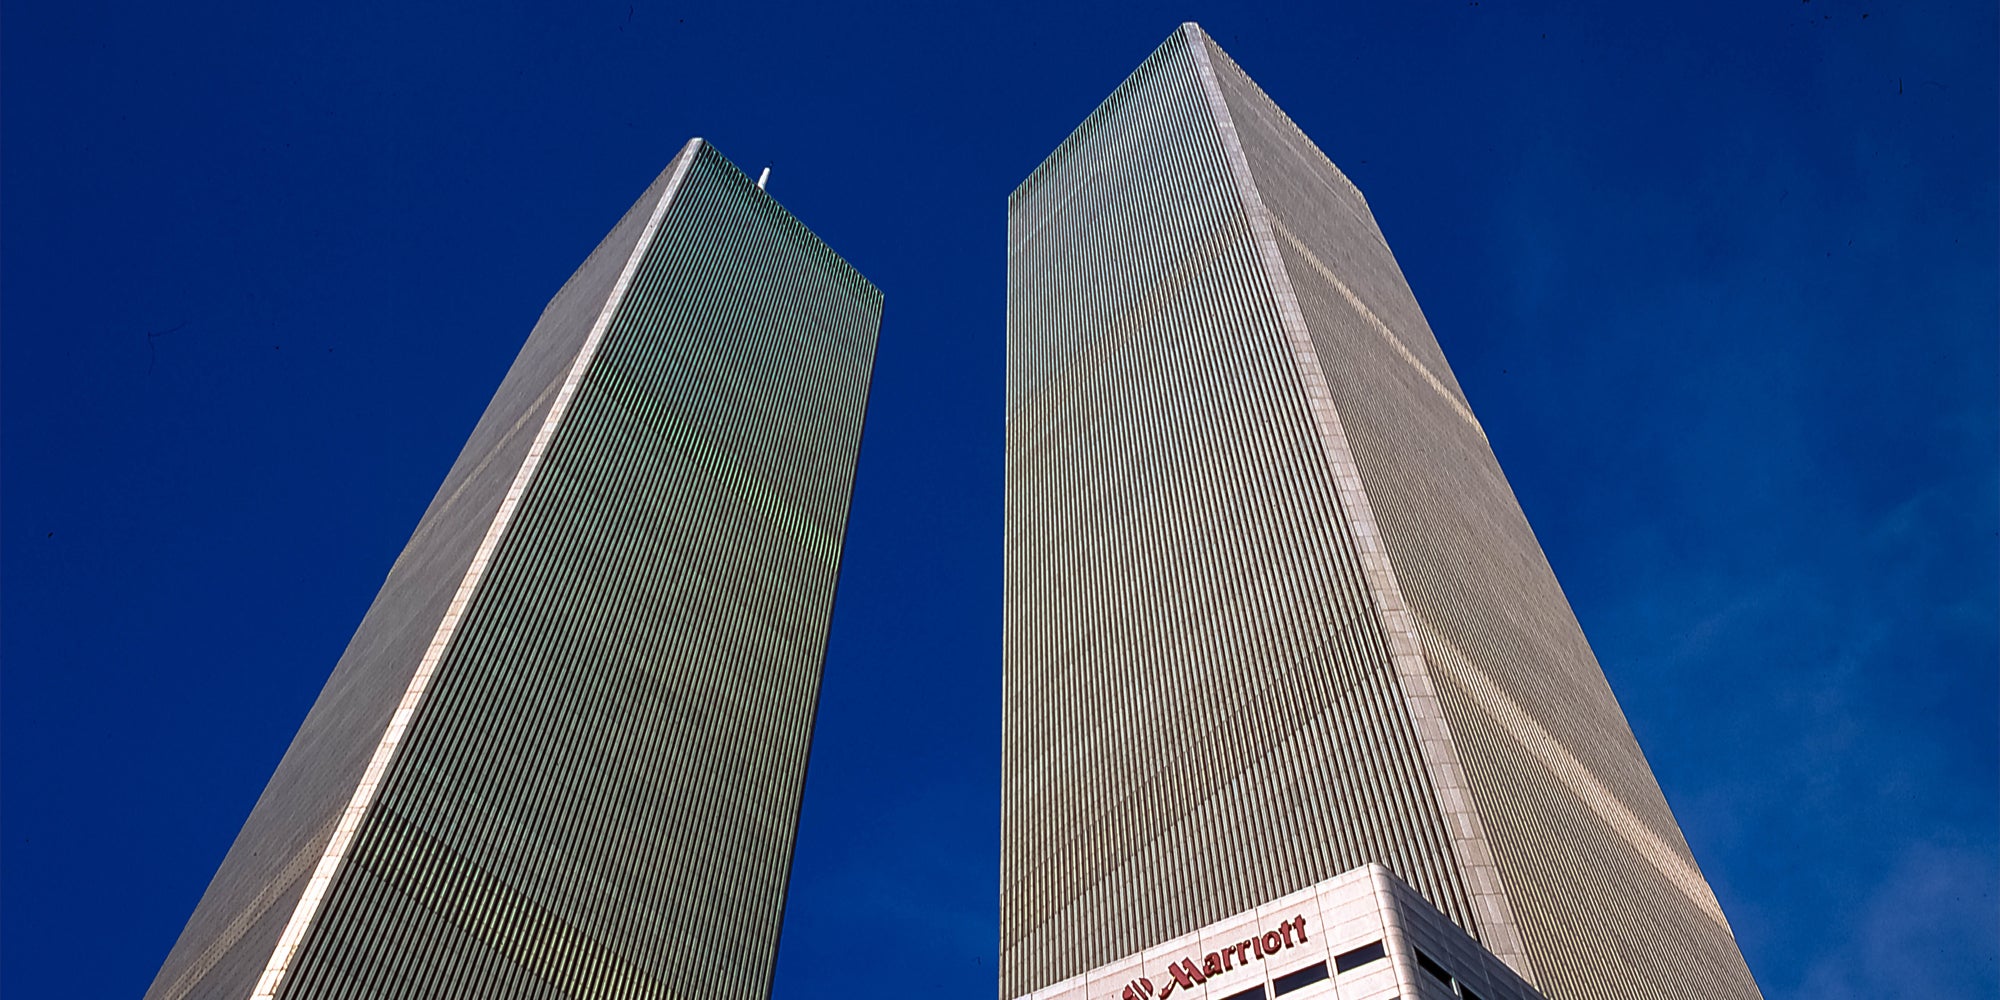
(569, 738)
(1272, 612)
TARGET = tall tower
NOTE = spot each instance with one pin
(563, 755)
(1272, 611)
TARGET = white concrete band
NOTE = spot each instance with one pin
(1575, 775)
(1381, 329)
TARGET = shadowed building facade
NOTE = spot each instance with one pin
(568, 741)
(1272, 611)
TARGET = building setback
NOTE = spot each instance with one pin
(1272, 611)
(569, 737)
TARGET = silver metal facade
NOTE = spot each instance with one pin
(1272, 611)
(570, 736)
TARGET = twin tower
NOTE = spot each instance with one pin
(1293, 703)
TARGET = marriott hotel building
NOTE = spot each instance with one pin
(1281, 649)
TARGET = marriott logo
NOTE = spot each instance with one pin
(1184, 973)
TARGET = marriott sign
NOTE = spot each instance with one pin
(1184, 973)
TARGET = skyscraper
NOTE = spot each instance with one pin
(1272, 610)
(564, 753)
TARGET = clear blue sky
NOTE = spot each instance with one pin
(1720, 281)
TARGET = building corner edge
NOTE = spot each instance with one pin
(344, 832)
(1493, 913)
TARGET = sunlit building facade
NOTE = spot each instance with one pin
(568, 741)
(1272, 612)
